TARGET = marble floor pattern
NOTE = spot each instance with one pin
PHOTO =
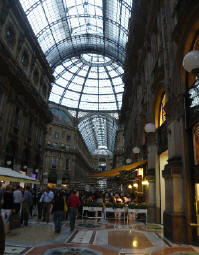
(92, 237)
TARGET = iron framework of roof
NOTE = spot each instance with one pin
(84, 42)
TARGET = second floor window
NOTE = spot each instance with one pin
(54, 162)
(56, 135)
(68, 138)
(67, 163)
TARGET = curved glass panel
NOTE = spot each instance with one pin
(88, 82)
(61, 117)
(64, 28)
(98, 131)
(84, 42)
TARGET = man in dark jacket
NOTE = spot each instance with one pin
(58, 209)
(2, 236)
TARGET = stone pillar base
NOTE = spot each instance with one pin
(175, 227)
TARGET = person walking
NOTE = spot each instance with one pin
(73, 203)
(58, 210)
(8, 204)
(2, 236)
(39, 204)
(26, 204)
(47, 198)
(17, 194)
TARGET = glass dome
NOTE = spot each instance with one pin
(88, 82)
(84, 43)
(99, 131)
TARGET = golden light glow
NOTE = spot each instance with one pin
(130, 186)
(135, 243)
(135, 185)
(145, 182)
(162, 114)
(140, 171)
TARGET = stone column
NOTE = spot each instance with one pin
(174, 214)
(151, 156)
(174, 218)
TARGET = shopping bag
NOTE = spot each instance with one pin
(14, 221)
(65, 207)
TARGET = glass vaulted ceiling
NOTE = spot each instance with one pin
(84, 42)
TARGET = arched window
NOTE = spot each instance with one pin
(162, 113)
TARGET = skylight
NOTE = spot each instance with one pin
(84, 43)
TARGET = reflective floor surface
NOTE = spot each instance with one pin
(93, 237)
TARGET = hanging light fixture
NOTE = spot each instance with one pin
(128, 160)
(9, 162)
(136, 150)
(191, 64)
(149, 128)
(191, 61)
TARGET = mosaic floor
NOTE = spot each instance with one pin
(91, 237)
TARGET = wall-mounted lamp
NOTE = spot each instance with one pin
(136, 150)
(129, 186)
(191, 61)
(149, 128)
(191, 64)
(9, 162)
(135, 185)
(128, 160)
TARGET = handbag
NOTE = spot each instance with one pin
(65, 207)
(14, 221)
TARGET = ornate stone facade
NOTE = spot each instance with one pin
(25, 79)
(67, 159)
(160, 34)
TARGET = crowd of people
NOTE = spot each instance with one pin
(24, 203)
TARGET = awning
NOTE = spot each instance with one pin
(7, 174)
(116, 171)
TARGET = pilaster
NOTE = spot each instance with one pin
(151, 156)
(174, 218)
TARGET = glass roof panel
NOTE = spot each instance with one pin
(94, 129)
(84, 42)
